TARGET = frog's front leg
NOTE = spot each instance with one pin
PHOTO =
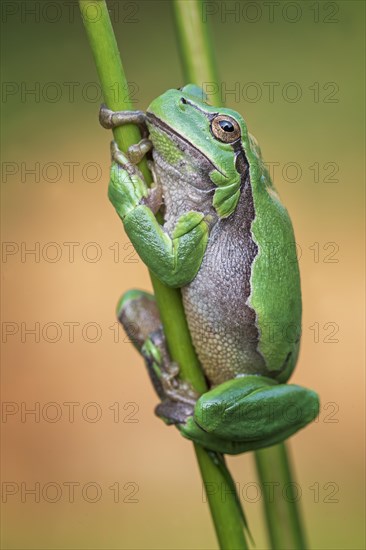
(248, 413)
(174, 259)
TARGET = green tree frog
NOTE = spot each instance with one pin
(228, 243)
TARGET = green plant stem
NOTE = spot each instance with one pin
(195, 47)
(108, 62)
(281, 511)
(223, 504)
(225, 513)
(114, 86)
(176, 331)
(273, 463)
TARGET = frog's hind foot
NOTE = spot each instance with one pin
(174, 412)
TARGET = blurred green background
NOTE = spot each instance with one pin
(135, 482)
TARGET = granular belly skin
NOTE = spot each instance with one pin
(221, 323)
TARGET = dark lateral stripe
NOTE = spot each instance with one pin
(242, 166)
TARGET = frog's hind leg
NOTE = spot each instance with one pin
(249, 413)
(139, 315)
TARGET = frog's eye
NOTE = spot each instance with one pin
(225, 128)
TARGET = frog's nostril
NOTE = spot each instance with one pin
(184, 101)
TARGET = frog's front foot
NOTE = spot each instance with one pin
(111, 119)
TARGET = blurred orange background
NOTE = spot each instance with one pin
(107, 474)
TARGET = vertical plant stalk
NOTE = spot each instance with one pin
(196, 51)
(273, 464)
(225, 512)
(281, 511)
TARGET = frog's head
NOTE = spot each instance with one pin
(193, 136)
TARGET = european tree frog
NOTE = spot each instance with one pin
(228, 242)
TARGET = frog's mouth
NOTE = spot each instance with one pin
(155, 121)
